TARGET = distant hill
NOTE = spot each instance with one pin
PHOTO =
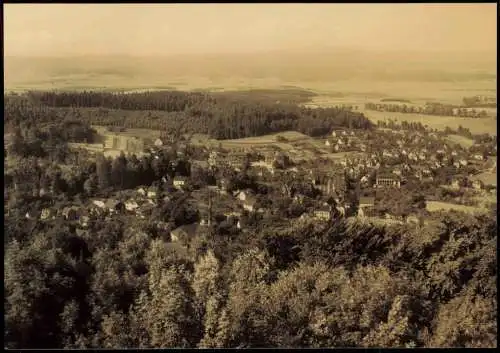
(299, 65)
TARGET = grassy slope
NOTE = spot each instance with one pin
(434, 206)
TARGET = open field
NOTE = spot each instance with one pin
(435, 206)
(92, 147)
(461, 140)
(476, 126)
(485, 200)
(359, 91)
(488, 178)
(267, 139)
(139, 133)
(252, 142)
(357, 99)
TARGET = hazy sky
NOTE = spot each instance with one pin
(136, 29)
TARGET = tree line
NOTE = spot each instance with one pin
(429, 109)
(480, 102)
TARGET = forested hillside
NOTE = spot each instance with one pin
(343, 286)
(221, 116)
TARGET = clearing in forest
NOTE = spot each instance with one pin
(435, 206)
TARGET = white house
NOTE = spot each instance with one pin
(131, 205)
(179, 182)
(323, 213)
(99, 203)
(397, 172)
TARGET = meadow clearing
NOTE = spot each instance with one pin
(461, 140)
(436, 206)
(488, 177)
(139, 133)
(476, 126)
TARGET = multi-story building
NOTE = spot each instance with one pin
(384, 180)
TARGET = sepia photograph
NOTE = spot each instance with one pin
(238, 175)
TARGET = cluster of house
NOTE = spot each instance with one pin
(341, 141)
(234, 160)
(144, 201)
(417, 155)
(464, 182)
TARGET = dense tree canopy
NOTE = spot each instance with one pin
(217, 116)
(351, 285)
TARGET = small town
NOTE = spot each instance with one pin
(182, 176)
(385, 175)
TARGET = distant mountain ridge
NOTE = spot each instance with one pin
(299, 65)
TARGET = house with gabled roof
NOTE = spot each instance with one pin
(250, 203)
(323, 213)
(70, 213)
(366, 207)
(184, 233)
